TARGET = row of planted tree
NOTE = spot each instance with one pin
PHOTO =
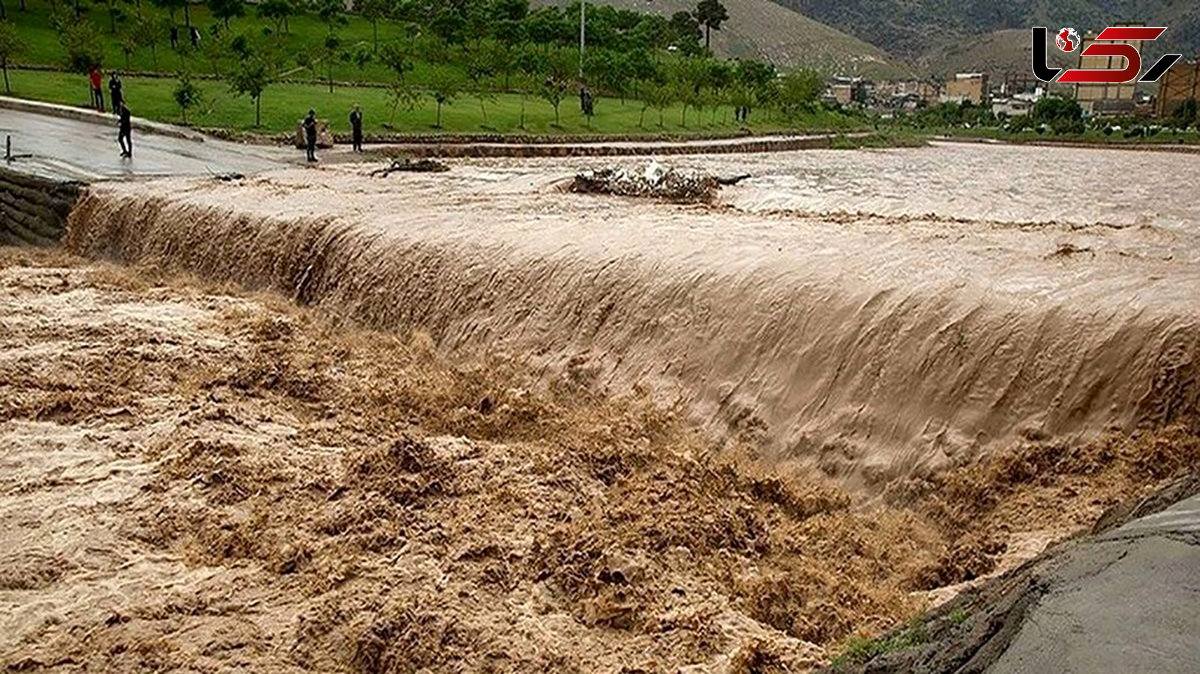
(444, 50)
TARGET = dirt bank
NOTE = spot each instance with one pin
(871, 345)
(199, 478)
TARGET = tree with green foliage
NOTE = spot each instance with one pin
(711, 14)
(1062, 115)
(799, 91)
(557, 71)
(186, 94)
(330, 53)
(332, 13)
(374, 11)
(1185, 115)
(444, 87)
(173, 6)
(685, 77)
(685, 32)
(82, 46)
(224, 10)
(483, 64)
(401, 95)
(278, 12)
(656, 94)
(251, 78)
(11, 45)
(398, 57)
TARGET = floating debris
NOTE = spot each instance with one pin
(411, 166)
(653, 181)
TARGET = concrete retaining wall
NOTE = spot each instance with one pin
(33, 211)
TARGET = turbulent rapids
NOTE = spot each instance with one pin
(873, 346)
(324, 420)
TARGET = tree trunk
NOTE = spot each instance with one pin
(439, 116)
(258, 111)
(112, 20)
(707, 35)
(187, 16)
(375, 34)
(7, 88)
(642, 120)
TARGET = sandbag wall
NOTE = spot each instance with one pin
(33, 210)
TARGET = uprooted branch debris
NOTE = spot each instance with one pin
(411, 166)
(652, 181)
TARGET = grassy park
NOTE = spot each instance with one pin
(284, 104)
(491, 66)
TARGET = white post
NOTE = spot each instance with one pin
(582, 33)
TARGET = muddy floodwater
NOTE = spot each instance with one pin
(470, 421)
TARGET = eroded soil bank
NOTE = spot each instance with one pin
(196, 478)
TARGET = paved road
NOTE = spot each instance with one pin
(80, 150)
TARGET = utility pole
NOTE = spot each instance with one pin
(582, 33)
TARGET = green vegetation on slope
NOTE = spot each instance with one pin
(479, 65)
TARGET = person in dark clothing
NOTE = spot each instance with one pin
(115, 92)
(194, 35)
(310, 134)
(356, 135)
(125, 131)
(174, 37)
(97, 81)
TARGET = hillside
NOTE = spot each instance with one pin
(1001, 51)
(934, 30)
(764, 30)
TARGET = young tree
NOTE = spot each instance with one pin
(398, 57)
(186, 94)
(685, 84)
(227, 9)
(331, 12)
(329, 53)
(278, 12)
(11, 45)
(557, 69)
(401, 95)
(711, 14)
(444, 87)
(129, 40)
(82, 45)
(799, 91)
(251, 77)
(481, 67)
(373, 11)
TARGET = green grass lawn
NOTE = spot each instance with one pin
(283, 105)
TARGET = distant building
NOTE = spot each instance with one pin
(971, 87)
(1011, 107)
(847, 91)
(905, 94)
(1180, 83)
(1101, 98)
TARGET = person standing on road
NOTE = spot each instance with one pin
(125, 131)
(97, 81)
(114, 91)
(356, 135)
(310, 134)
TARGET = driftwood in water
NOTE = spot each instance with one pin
(408, 165)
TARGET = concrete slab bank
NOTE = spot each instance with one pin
(33, 210)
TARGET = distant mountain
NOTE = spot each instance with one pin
(929, 30)
(770, 32)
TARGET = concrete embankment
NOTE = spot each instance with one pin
(34, 210)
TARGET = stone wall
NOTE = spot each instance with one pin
(33, 211)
